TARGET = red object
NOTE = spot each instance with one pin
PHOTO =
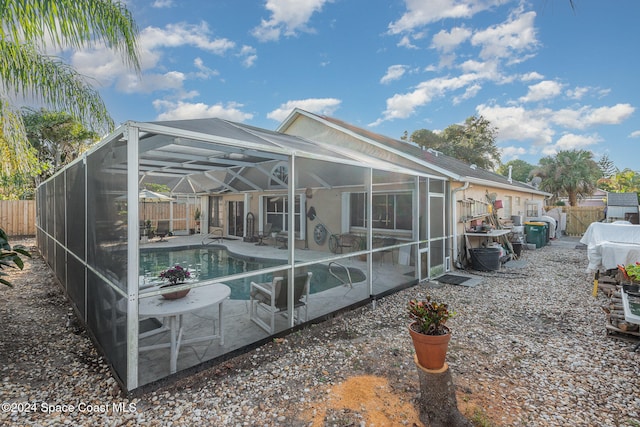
(497, 204)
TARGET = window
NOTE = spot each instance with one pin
(391, 211)
(279, 176)
(277, 212)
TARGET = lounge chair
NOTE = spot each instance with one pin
(162, 230)
(266, 231)
(271, 298)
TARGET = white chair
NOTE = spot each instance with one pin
(271, 299)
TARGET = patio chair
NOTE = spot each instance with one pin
(162, 230)
(386, 242)
(271, 298)
(266, 231)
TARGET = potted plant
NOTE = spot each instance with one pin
(429, 332)
(631, 272)
(175, 275)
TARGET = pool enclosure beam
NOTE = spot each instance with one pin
(133, 255)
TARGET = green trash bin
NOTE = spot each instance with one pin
(536, 233)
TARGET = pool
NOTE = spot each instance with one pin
(215, 262)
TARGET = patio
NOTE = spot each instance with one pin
(239, 330)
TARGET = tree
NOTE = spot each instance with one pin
(607, 167)
(626, 181)
(520, 170)
(571, 173)
(58, 139)
(473, 142)
(26, 71)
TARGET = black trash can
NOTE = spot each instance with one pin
(485, 259)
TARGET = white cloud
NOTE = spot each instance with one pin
(578, 92)
(531, 76)
(571, 141)
(486, 69)
(394, 72)
(469, 93)
(512, 152)
(508, 39)
(609, 115)
(401, 106)
(204, 72)
(586, 116)
(635, 134)
(106, 67)
(183, 34)
(405, 41)
(325, 106)
(184, 110)
(447, 41)
(544, 90)
(288, 17)
(131, 83)
(249, 56)
(420, 12)
(516, 123)
(160, 4)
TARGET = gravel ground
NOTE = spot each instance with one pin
(529, 348)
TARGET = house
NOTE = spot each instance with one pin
(622, 207)
(366, 214)
(470, 188)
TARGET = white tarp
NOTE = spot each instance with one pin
(610, 244)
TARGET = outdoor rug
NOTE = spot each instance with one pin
(453, 279)
(519, 263)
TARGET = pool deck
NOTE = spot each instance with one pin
(239, 330)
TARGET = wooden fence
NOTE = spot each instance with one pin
(18, 217)
(579, 218)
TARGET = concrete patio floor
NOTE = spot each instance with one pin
(239, 330)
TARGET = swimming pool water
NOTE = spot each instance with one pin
(213, 262)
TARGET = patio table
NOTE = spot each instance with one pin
(174, 310)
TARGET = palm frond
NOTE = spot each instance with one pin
(26, 72)
(72, 23)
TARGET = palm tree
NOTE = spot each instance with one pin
(571, 173)
(27, 72)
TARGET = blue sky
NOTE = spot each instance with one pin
(548, 77)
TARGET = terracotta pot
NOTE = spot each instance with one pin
(431, 350)
(175, 295)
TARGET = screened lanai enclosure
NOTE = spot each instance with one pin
(275, 230)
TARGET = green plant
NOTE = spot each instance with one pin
(175, 274)
(631, 271)
(196, 214)
(10, 257)
(429, 316)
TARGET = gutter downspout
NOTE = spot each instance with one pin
(455, 222)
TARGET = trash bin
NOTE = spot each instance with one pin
(536, 233)
(485, 259)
